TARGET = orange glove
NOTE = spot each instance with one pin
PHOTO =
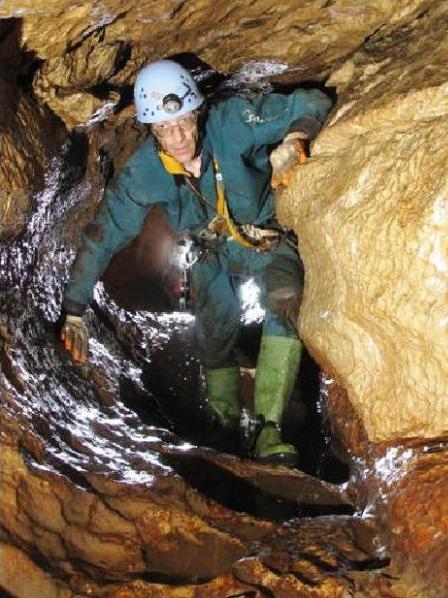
(285, 158)
(76, 337)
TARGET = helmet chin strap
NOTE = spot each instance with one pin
(198, 149)
(200, 129)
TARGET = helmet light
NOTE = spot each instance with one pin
(172, 103)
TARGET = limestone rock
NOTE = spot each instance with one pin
(103, 531)
(65, 83)
(371, 213)
(30, 135)
(22, 162)
(22, 577)
(88, 44)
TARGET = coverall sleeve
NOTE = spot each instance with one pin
(119, 218)
(275, 115)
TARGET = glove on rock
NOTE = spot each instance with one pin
(286, 157)
(76, 337)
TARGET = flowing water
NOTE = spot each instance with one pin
(136, 411)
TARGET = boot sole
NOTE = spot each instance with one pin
(288, 459)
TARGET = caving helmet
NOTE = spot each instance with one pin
(164, 90)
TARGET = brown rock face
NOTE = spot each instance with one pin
(26, 144)
(371, 213)
(100, 497)
(102, 43)
(419, 516)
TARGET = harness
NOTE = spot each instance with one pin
(222, 225)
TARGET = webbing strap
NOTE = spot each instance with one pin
(222, 209)
(172, 166)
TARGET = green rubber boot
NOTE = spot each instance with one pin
(277, 367)
(222, 394)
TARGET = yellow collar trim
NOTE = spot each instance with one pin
(172, 166)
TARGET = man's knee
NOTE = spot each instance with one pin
(285, 302)
(215, 341)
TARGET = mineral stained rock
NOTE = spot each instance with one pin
(419, 516)
(30, 136)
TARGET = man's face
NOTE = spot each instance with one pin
(178, 137)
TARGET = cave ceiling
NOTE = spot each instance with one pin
(81, 46)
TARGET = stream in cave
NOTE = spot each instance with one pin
(142, 385)
(136, 413)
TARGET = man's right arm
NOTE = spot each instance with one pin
(119, 219)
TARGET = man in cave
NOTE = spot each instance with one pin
(212, 168)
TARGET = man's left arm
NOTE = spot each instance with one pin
(292, 121)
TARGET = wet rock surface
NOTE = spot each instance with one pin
(95, 500)
(107, 488)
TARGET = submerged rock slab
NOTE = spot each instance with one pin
(284, 483)
(371, 213)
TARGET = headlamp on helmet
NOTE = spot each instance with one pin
(163, 90)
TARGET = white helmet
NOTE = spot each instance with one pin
(164, 90)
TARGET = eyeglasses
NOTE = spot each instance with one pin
(185, 124)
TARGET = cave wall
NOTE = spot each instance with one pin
(30, 133)
(370, 211)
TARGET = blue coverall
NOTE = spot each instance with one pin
(239, 134)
